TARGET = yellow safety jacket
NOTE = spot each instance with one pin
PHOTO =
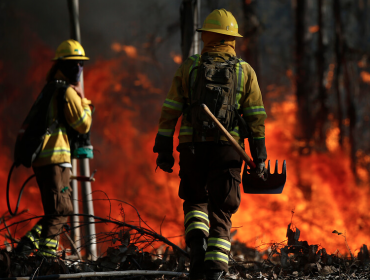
(77, 113)
(248, 96)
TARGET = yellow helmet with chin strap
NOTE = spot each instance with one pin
(222, 22)
(70, 50)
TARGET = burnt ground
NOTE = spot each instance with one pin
(140, 249)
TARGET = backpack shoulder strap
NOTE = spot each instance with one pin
(243, 126)
(193, 72)
(239, 85)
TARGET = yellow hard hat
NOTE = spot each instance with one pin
(222, 22)
(70, 50)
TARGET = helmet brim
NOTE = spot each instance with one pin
(224, 32)
(74, 57)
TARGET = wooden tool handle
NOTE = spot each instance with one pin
(231, 139)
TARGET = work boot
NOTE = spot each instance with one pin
(214, 274)
(25, 247)
(198, 247)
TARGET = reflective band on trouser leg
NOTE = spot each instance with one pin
(218, 242)
(37, 228)
(48, 247)
(196, 225)
(46, 252)
(34, 239)
(216, 256)
(196, 214)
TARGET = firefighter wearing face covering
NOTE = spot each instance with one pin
(53, 166)
(209, 166)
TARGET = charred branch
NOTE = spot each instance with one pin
(142, 231)
(99, 274)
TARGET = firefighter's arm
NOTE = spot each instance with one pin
(77, 111)
(171, 111)
(254, 114)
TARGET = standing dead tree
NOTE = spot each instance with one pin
(251, 29)
(346, 70)
(322, 116)
(303, 83)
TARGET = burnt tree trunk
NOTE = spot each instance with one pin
(336, 80)
(350, 87)
(322, 116)
(251, 28)
(302, 80)
(187, 27)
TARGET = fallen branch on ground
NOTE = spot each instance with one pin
(99, 274)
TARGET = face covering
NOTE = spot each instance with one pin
(214, 42)
(71, 69)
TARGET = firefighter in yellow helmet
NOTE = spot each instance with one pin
(209, 167)
(52, 166)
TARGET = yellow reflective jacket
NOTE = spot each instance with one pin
(248, 96)
(77, 113)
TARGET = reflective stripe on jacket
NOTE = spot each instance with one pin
(248, 101)
(78, 115)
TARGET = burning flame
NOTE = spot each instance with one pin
(176, 58)
(130, 51)
(313, 29)
(320, 187)
(365, 76)
(332, 138)
(330, 76)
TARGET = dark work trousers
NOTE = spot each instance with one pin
(56, 196)
(209, 186)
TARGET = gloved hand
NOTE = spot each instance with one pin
(261, 171)
(165, 161)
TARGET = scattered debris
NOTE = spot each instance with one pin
(139, 252)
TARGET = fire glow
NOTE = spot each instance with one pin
(320, 188)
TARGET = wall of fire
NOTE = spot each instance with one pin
(135, 48)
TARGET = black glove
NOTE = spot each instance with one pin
(258, 150)
(165, 161)
(261, 171)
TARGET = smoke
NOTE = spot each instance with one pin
(132, 46)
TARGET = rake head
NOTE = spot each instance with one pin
(273, 185)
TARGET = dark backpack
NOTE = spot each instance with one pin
(35, 127)
(215, 86)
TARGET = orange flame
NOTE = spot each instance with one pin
(330, 76)
(320, 187)
(130, 51)
(365, 76)
(176, 58)
(313, 29)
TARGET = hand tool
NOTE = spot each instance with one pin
(253, 184)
